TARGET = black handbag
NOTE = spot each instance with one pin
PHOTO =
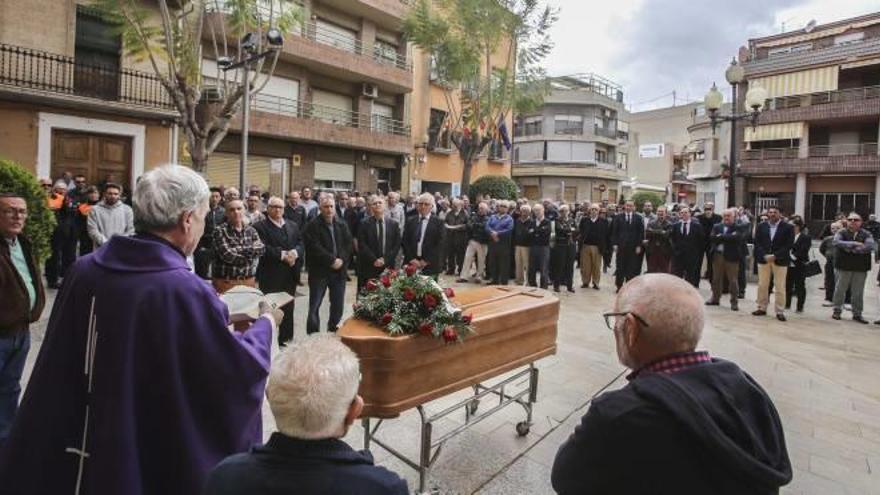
(812, 268)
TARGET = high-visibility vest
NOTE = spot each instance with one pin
(56, 201)
(84, 209)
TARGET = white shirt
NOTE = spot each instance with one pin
(424, 226)
(773, 227)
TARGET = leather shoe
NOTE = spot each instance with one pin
(759, 312)
(711, 303)
(780, 317)
(860, 320)
(734, 307)
(835, 315)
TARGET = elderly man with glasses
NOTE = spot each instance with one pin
(852, 262)
(686, 422)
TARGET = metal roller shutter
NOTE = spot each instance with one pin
(223, 170)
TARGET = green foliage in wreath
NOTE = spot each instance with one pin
(40, 222)
(496, 186)
(405, 302)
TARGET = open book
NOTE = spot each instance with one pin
(244, 302)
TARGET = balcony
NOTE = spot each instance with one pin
(824, 105)
(304, 121)
(590, 169)
(386, 13)
(841, 158)
(34, 75)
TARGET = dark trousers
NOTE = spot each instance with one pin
(202, 261)
(13, 354)
(63, 255)
(794, 286)
(606, 258)
(456, 243)
(688, 269)
(539, 261)
(498, 261)
(285, 326)
(86, 245)
(659, 261)
(829, 281)
(562, 263)
(709, 268)
(629, 265)
(741, 278)
(335, 283)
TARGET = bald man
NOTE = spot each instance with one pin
(686, 422)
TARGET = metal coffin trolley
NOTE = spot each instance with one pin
(514, 328)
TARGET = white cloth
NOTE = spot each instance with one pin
(422, 228)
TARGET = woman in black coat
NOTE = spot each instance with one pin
(800, 256)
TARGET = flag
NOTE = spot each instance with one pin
(505, 138)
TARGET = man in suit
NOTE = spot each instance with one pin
(328, 249)
(593, 232)
(423, 238)
(294, 210)
(773, 241)
(688, 245)
(727, 239)
(378, 243)
(278, 270)
(627, 234)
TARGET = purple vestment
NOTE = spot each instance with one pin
(173, 391)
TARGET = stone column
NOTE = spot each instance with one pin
(804, 148)
(800, 194)
(876, 194)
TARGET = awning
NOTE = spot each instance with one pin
(822, 33)
(861, 63)
(775, 132)
(798, 83)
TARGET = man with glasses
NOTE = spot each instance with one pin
(278, 270)
(423, 238)
(773, 241)
(686, 422)
(21, 303)
(852, 262)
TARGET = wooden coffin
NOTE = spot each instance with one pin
(513, 327)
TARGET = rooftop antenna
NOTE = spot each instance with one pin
(810, 26)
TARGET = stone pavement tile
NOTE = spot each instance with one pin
(807, 483)
(855, 442)
(851, 476)
(524, 476)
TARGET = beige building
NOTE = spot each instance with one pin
(814, 151)
(69, 100)
(707, 156)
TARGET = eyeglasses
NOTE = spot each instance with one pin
(615, 314)
(854, 219)
(46, 185)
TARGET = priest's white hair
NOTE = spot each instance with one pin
(311, 386)
(165, 193)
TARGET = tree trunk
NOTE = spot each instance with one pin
(467, 164)
(199, 155)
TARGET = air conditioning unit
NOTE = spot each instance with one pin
(212, 94)
(370, 90)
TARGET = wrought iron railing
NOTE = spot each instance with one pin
(50, 72)
(336, 116)
(823, 97)
(605, 132)
(320, 34)
(855, 149)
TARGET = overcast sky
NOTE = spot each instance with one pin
(655, 47)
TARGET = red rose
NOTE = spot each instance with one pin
(371, 285)
(449, 292)
(386, 280)
(467, 319)
(392, 273)
(411, 269)
(449, 334)
(426, 328)
(429, 301)
(386, 318)
(409, 294)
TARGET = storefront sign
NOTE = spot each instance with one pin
(652, 150)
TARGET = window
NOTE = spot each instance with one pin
(599, 122)
(97, 49)
(568, 124)
(532, 126)
(601, 156)
(383, 118)
(826, 206)
(438, 131)
(333, 108)
(622, 161)
(700, 111)
(849, 38)
(336, 36)
(385, 52)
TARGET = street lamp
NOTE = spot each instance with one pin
(249, 45)
(755, 98)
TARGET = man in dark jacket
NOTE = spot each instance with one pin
(63, 237)
(21, 303)
(423, 238)
(627, 234)
(685, 423)
(294, 211)
(773, 240)
(378, 243)
(688, 245)
(204, 254)
(593, 233)
(539, 248)
(328, 249)
(279, 265)
(456, 236)
(312, 392)
(727, 239)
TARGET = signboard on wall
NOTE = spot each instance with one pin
(652, 150)
(456, 189)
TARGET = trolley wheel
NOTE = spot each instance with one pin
(523, 428)
(473, 406)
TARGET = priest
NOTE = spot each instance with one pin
(140, 387)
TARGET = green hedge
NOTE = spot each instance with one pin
(40, 221)
(496, 186)
(639, 199)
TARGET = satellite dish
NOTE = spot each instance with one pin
(810, 26)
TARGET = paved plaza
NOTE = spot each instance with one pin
(822, 374)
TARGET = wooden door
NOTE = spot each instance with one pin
(97, 156)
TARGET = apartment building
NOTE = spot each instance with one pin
(334, 114)
(814, 151)
(707, 157)
(572, 149)
(659, 148)
(69, 100)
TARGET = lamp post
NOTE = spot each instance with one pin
(249, 46)
(755, 97)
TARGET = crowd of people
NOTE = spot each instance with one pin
(141, 387)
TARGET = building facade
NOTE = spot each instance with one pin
(707, 157)
(814, 152)
(572, 149)
(71, 102)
